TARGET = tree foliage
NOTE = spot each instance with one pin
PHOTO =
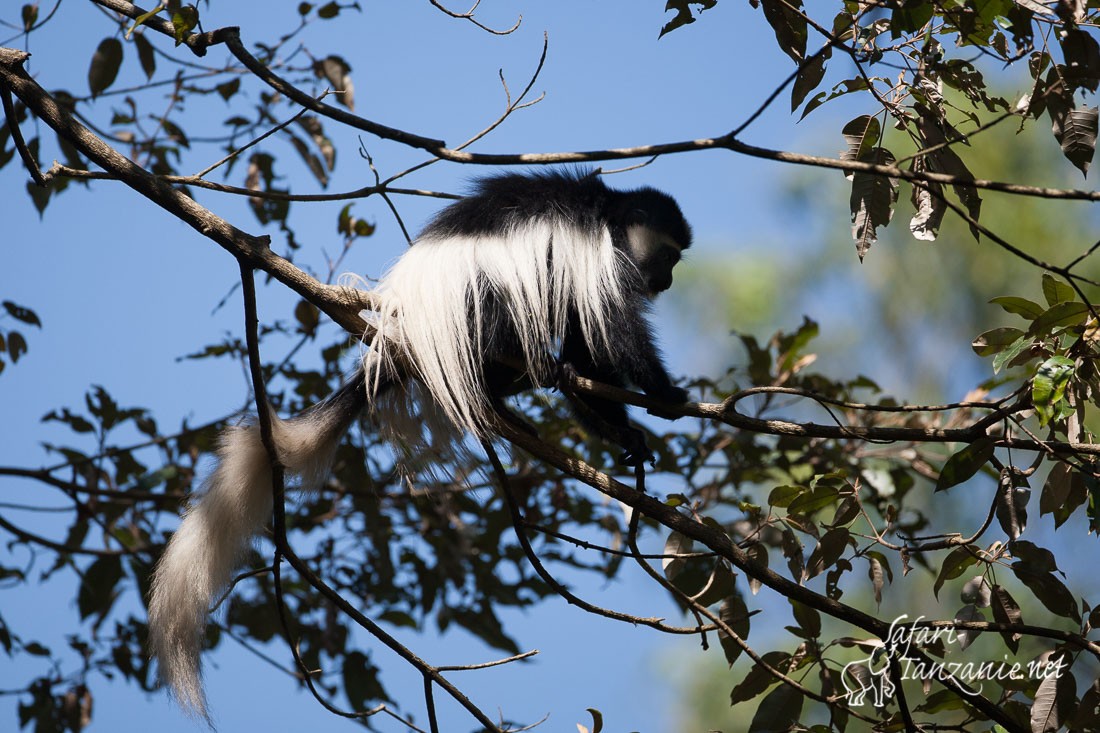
(790, 491)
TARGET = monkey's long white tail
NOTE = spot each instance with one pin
(200, 559)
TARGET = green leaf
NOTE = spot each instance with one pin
(809, 76)
(789, 26)
(1020, 306)
(719, 585)
(964, 464)
(1063, 314)
(778, 711)
(956, 562)
(1056, 291)
(1050, 591)
(808, 619)
(1063, 492)
(1010, 354)
(146, 55)
(829, 549)
(17, 345)
(758, 679)
(105, 65)
(308, 317)
(809, 502)
(734, 614)
(97, 587)
(329, 10)
(361, 684)
(1048, 387)
(1075, 130)
(184, 21)
(995, 341)
(782, 496)
(227, 89)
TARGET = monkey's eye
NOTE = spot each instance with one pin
(669, 254)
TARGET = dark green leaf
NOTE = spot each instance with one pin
(227, 89)
(1063, 314)
(17, 345)
(995, 341)
(97, 586)
(758, 553)
(956, 562)
(809, 76)
(1029, 309)
(146, 55)
(778, 711)
(1075, 131)
(782, 496)
(734, 614)
(789, 26)
(964, 464)
(361, 683)
(808, 619)
(1055, 291)
(308, 317)
(759, 679)
(1063, 492)
(719, 585)
(1009, 355)
(1053, 702)
(105, 65)
(829, 549)
(1050, 591)
(812, 501)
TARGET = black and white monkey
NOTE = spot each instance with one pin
(529, 275)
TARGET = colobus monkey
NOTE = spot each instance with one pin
(530, 275)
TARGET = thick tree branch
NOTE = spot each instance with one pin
(721, 543)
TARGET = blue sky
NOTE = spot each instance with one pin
(123, 290)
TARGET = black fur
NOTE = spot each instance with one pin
(504, 202)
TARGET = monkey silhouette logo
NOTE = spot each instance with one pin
(870, 674)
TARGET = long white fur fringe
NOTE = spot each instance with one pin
(429, 319)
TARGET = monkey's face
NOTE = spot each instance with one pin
(655, 253)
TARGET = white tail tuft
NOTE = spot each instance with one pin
(215, 533)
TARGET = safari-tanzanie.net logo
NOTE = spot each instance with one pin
(870, 679)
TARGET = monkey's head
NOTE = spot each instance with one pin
(656, 235)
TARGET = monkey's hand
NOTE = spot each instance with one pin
(637, 452)
(674, 395)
